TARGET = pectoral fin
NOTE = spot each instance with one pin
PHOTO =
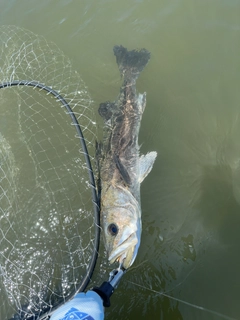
(122, 169)
(145, 164)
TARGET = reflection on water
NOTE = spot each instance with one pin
(217, 205)
(197, 201)
(190, 201)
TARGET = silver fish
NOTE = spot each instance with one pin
(121, 168)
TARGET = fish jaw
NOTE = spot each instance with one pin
(126, 249)
(124, 246)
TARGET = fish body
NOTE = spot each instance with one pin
(121, 168)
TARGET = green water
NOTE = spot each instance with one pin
(191, 199)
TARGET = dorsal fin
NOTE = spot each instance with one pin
(105, 110)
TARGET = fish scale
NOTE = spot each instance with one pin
(121, 168)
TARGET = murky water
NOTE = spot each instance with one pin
(191, 199)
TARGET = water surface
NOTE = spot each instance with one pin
(191, 199)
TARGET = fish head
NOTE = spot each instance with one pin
(122, 232)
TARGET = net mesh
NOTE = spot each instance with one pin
(46, 210)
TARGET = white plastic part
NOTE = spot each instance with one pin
(87, 306)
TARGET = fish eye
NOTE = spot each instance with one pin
(113, 229)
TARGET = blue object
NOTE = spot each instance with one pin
(75, 314)
(84, 306)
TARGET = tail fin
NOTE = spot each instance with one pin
(131, 63)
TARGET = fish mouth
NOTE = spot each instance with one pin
(126, 251)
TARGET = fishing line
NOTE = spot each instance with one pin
(185, 302)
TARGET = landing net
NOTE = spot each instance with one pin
(48, 206)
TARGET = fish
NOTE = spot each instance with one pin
(121, 168)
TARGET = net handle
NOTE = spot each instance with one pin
(95, 199)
